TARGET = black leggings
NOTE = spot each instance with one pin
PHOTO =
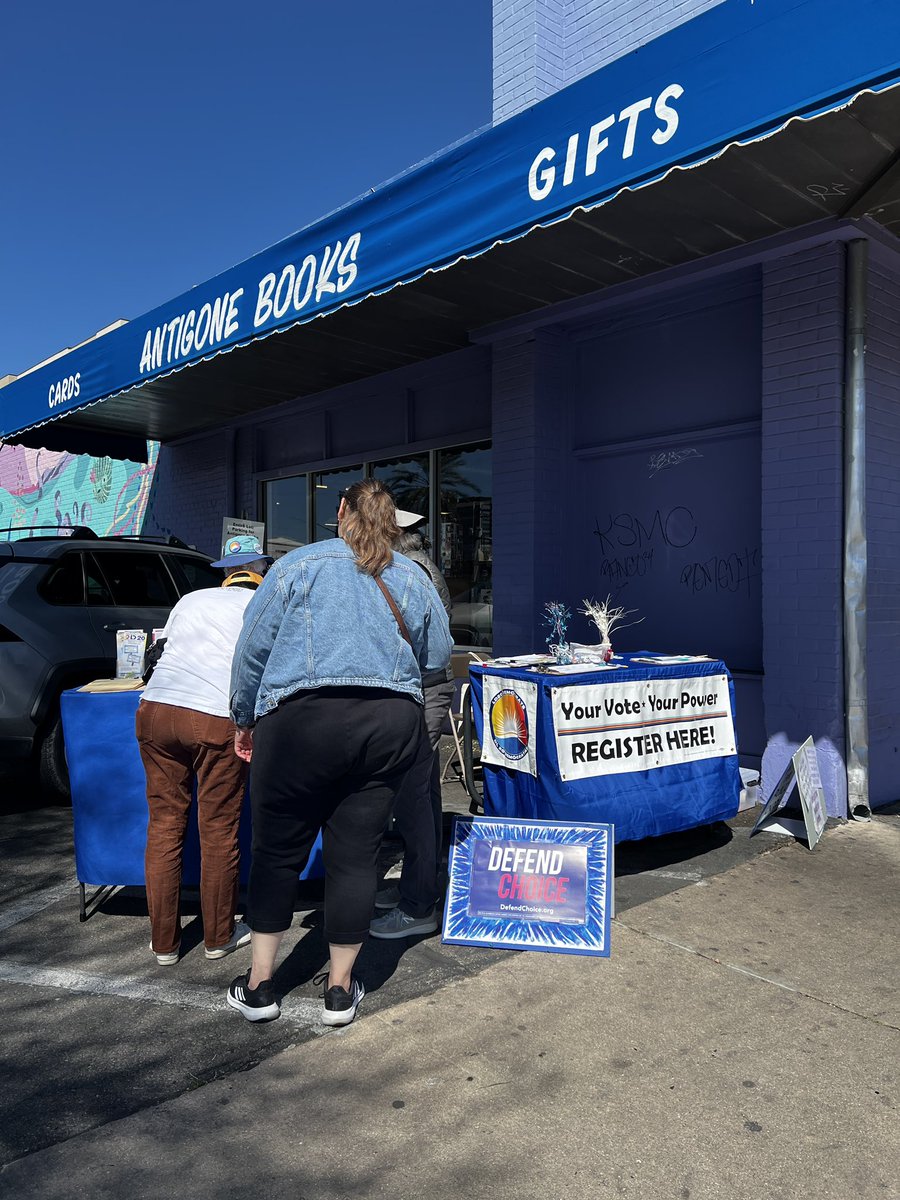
(330, 759)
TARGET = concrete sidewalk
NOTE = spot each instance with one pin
(742, 1042)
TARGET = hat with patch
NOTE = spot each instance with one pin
(406, 520)
(240, 550)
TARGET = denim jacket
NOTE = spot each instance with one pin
(318, 621)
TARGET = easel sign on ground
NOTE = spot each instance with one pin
(530, 885)
(802, 771)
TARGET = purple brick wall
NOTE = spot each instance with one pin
(883, 524)
(440, 402)
(541, 46)
(802, 514)
(189, 493)
(531, 478)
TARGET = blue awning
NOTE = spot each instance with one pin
(730, 78)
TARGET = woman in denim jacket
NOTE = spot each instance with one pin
(327, 698)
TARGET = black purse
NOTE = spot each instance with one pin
(152, 657)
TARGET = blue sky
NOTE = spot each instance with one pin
(148, 146)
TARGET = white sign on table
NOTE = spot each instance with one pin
(611, 728)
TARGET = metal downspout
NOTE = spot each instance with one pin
(856, 717)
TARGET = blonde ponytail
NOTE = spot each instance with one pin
(369, 525)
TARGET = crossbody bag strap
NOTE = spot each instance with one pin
(398, 615)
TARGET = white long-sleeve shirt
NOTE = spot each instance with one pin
(201, 633)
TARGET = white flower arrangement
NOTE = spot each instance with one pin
(607, 618)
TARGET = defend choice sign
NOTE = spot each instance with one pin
(530, 884)
(519, 879)
(610, 728)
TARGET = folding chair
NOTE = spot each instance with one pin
(460, 666)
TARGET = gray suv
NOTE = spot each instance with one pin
(61, 601)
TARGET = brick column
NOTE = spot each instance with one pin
(802, 513)
(529, 61)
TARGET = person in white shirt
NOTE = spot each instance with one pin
(185, 733)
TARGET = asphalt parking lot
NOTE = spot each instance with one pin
(95, 1030)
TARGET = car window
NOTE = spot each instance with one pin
(64, 583)
(192, 573)
(136, 580)
(97, 590)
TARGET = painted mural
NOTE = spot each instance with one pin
(52, 487)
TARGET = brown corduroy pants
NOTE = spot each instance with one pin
(177, 745)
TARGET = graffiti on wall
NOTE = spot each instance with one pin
(53, 487)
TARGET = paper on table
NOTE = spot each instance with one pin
(582, 668)
(673, 660)
(112, 685)
(518, 660)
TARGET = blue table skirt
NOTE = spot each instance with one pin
(638, 804)
(109, 804)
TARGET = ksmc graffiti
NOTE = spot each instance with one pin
(628, 541)
(676, 528)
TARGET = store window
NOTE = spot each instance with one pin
(455, 483)
(410, 482)
(286, 514)
(326, 494)
(465, 545)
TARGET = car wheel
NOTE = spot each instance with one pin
(54, 771)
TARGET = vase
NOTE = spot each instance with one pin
(562, 654)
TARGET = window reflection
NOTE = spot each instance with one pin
(409, 481)
(327, 488)
(463, 546)
(286, 508)
(466, 548)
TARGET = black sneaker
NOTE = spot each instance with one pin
(256, 1004)
(338, 1005)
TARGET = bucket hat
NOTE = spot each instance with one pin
(240, 550)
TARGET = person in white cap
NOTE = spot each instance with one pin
(185, 733)
(418, 810)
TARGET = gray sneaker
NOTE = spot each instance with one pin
(240, 937)
(388, 897)
(398, 924)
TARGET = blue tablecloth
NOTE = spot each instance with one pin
(640, 804)
(109, 805)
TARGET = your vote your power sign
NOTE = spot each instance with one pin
(530, 885)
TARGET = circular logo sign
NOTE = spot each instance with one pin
(509, 725)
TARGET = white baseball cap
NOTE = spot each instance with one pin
(406, 520)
